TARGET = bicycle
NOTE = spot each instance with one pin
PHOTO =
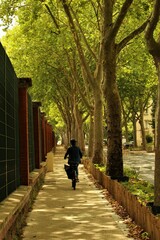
(71, 173)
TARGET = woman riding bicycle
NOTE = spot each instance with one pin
(74, 154)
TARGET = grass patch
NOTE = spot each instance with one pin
(101, 168)
(137, 186)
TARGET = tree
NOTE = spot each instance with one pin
(50, 73)
(112, 45)
(153, 44)
(95, 47)
(87, 47)
(137, 85)
(94, 80)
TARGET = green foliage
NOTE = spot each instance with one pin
(145, 236)
(101, 167)
(138, 187)
(46, 51)
(130, 173)
(49, 57)
(137, 82)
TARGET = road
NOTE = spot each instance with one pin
(142, 162)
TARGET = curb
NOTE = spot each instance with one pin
(14, 208)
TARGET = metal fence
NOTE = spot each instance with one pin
(18, 130)
(9, 134)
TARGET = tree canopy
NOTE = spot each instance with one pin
(75, 52)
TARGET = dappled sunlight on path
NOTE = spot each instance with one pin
(62, 213)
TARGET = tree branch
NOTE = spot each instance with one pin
(75, 76)
(84, 38)
(153, 46)
(78, 43)
(133, 34)
(153, 20)
(53, 18)
(96, 8)
(120, 18)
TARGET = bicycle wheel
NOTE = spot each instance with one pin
(74, 184)
(74, 180)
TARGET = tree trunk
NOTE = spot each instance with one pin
(157, 148)
(125, 124)
(114, 132)
(79, 127)
(91, 135)
(154, 50)
(134, 129)
(73, 128)
(141, 122)
(98, 127)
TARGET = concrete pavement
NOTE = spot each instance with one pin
(61, 213)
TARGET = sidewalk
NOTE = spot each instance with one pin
(61, 213)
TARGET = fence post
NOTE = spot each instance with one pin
(37, 133)
(24, 83)
(47, 136)
(53, 142)
(43, 137)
